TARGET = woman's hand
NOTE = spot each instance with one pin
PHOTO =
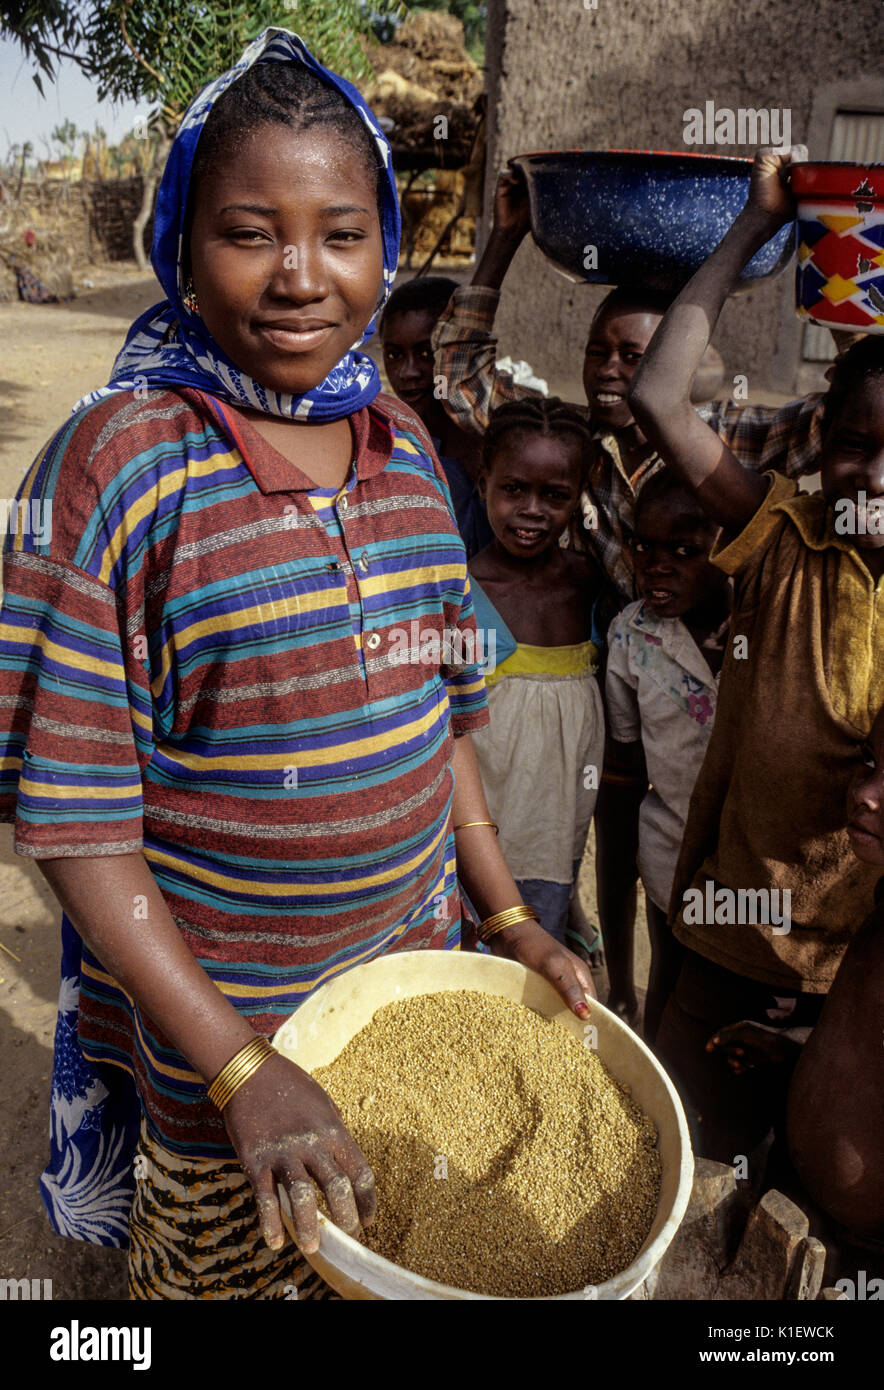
(769, 191)
(288, 1134)
(533, 947)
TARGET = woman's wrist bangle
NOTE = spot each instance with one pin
(465, 825)
(239, 1069)
(508, 918)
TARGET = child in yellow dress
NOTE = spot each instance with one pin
(541, 756)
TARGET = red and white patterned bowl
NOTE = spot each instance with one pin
(839, 280)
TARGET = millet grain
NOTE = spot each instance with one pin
(553, 1173)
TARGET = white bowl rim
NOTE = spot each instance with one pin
(333, 1237)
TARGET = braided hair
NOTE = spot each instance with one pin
(286, 94)
(538, 415)
(860, 362)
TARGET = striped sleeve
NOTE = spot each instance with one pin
(473, 649)
(465, 673)
(71, 720)
(76, 713)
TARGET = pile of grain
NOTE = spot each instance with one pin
(507, 1159)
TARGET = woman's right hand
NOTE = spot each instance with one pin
(288, 1134)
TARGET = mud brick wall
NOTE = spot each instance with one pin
(621, 74)
(76, 222)
(114, 205)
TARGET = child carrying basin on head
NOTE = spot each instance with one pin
(802, 678)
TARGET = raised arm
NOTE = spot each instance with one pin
(463, 340)
(511, 222)
(660, 392)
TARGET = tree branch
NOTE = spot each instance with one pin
(134, 51)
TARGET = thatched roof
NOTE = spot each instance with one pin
(425, 72)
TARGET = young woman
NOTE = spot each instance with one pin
(232, 789)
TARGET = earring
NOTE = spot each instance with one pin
(188, 299)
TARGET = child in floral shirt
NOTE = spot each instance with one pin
(664, 657)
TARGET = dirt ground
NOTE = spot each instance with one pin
(50, 355)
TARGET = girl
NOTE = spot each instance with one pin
(233, 791)
(664, 656)
(541, 755)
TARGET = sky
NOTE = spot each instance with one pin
(25, 115)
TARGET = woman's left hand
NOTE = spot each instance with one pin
(533, 947)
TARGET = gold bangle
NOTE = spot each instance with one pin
(465, 825)
(239, 1069)
(508, 918)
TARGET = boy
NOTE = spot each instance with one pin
(406, 328)
(664, 656)
(800, 678)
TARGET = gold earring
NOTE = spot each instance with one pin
(188, 299)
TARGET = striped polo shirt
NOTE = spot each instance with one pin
(204, 660)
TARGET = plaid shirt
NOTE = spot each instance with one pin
(785, 439)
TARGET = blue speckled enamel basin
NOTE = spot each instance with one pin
(653, 218)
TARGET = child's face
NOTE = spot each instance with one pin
(852, 461)
(672, 567)
(286, 255)
(408, 356)
(865, 799)
(532, 490)
(617, 340)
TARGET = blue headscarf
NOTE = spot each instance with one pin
(170, 346)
